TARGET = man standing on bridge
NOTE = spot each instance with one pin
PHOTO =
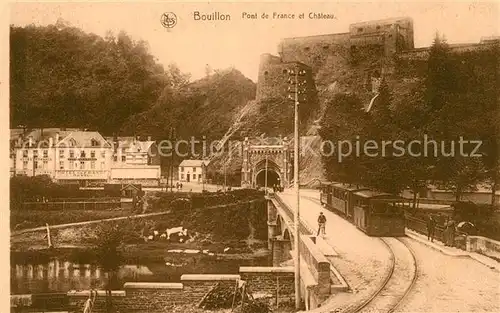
(321, 224)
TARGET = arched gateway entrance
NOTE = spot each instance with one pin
(261, 155)
(273, 178)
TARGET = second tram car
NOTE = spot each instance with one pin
(375, 213)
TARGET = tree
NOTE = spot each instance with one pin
(109, 238)
(63, 76)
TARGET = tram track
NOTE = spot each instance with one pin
(399, 278)
(398, 283)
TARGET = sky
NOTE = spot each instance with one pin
(239, 42)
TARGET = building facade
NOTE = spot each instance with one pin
(193, 171)
(83, 157)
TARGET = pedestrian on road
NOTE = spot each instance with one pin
(431, 227)
(321, 224)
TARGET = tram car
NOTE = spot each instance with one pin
(375, 213)
(337, 197)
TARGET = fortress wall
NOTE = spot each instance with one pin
(273, 80)
(402, 26)
(312, 50)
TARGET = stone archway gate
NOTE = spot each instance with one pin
(255, 153)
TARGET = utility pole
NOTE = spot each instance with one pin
(225, 179)
(296, 72)
(172, 131)
(266, 175)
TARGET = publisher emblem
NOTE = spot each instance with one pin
(168, 20)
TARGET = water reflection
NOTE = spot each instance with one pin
(61, 275)
(58, 275)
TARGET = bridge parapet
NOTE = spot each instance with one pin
(318, 266)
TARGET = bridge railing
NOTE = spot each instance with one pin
(303, 227)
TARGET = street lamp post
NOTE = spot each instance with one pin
(296, 73)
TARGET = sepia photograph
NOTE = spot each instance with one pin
(192, 157)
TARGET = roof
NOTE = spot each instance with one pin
(133, 186)
(84, 139)
(373, 194)
(194, 163)
(348, 187)
(131, 142)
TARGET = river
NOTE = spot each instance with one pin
(60, 275)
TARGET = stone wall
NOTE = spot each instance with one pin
(139, 297)
(484, 246)
(153, 297)
(270, 282)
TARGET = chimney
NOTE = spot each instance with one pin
(41, 133)
(57, 138)
(30, 141)
(20, 140)
(149, 138)
(51, 142)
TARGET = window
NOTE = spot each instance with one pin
(92, 165)
(194, 169)
(360, 30)
(82, 165)
(103, 154)
(194, 176)
(124, 158)
(35, 153)
(61, 165)
(94, 143)
(45, 153)
(25, 153)
(307, 48)
(72, 142)
(182, 176)
(124, 150)
(266, 72)
(82, 154)
(182, 168)
(102, 165)
(61, 153)
(326, 47)
(25, 165)
(70, 165)
(45, 164)
(115, 158)
(378, 27)
(92, 154)
(71, 153)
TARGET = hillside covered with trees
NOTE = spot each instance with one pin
(457, 97)
(64, 77)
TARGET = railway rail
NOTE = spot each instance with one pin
(399, 281)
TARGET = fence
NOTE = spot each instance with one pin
(75, 204)
(420, 226)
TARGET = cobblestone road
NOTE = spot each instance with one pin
(363, 261)
(451, 284)
(444, 283)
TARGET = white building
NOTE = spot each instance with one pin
(192, 170)
(84, 157)
(66, 155)
(135, 160)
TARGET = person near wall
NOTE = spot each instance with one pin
(431, 227)
(321, 224)
(451, 233)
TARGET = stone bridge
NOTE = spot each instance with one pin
(319, 279)
(271, 155)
